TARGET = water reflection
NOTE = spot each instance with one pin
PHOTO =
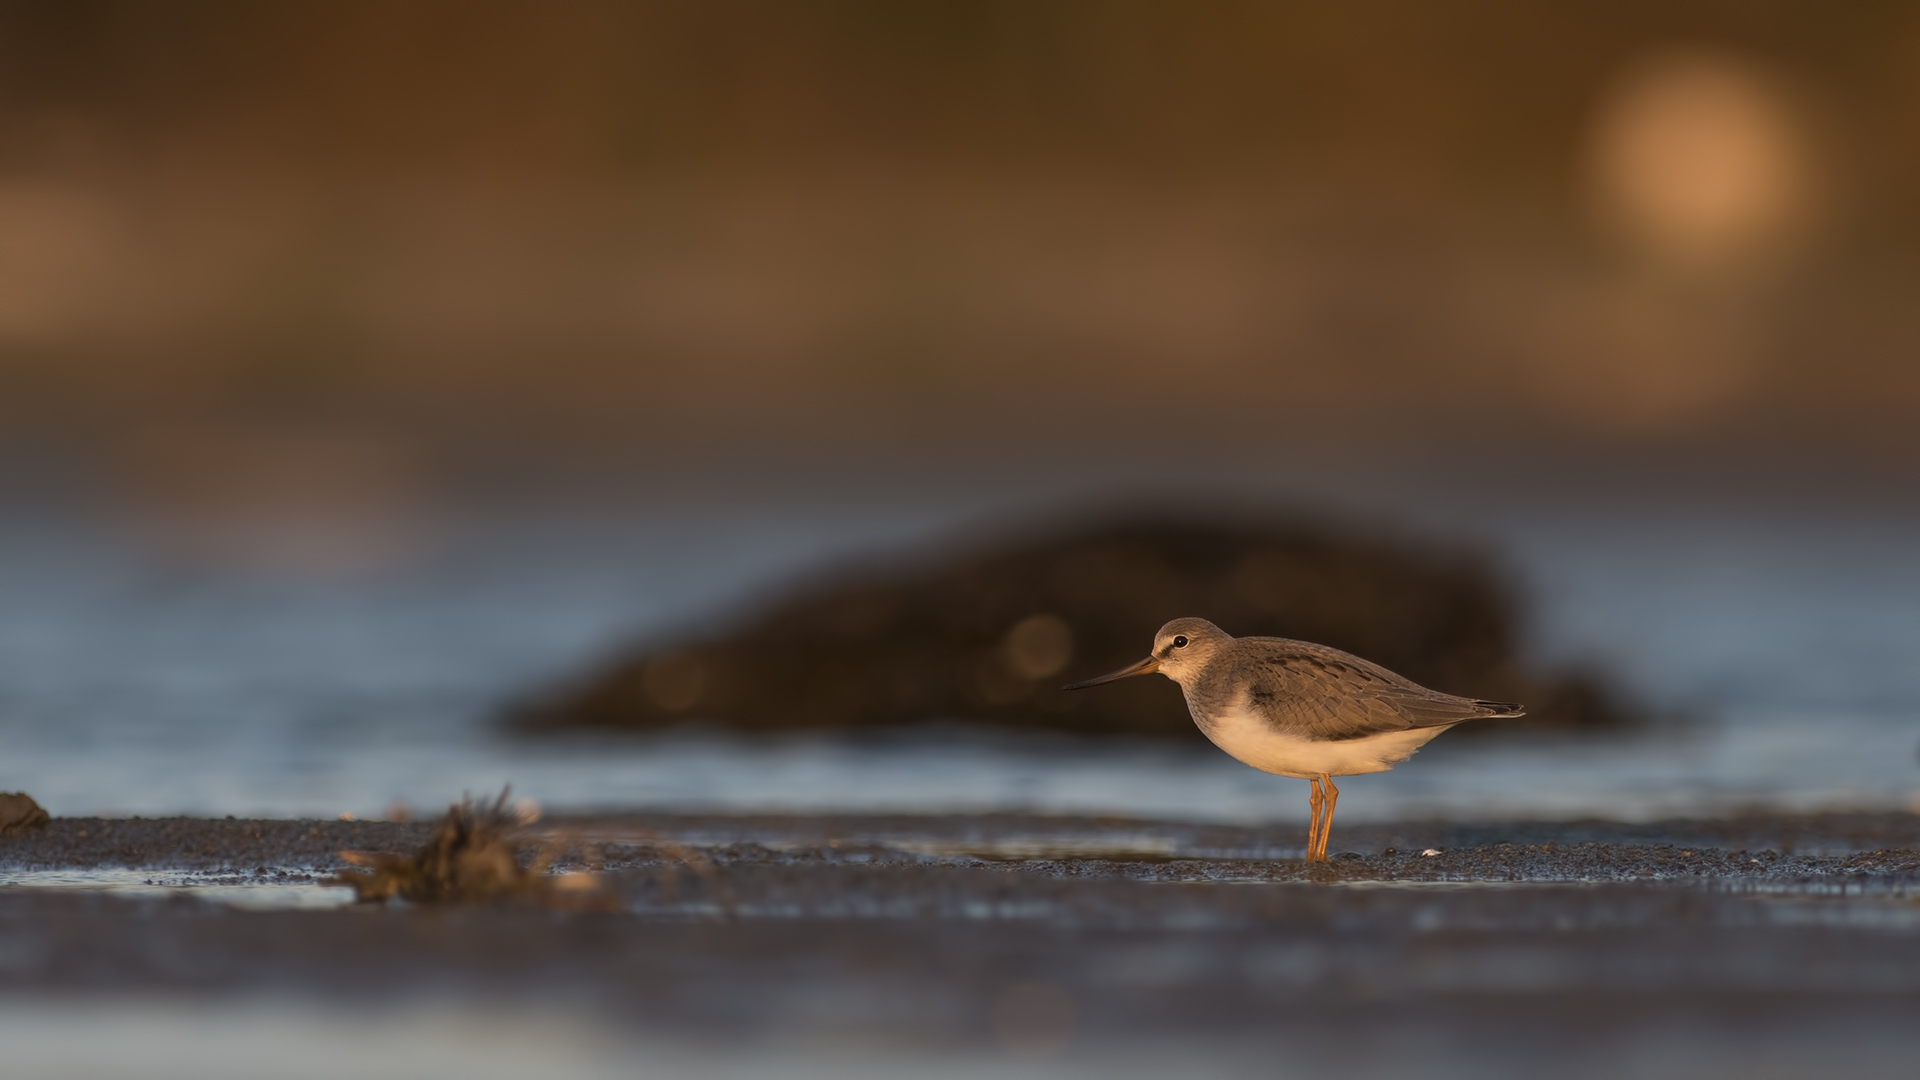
(128, 690)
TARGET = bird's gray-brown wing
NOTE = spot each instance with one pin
(1317, 692)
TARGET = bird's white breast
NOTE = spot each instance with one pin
(1250, 738)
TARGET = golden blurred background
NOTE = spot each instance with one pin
(342, 241)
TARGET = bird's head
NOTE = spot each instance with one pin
(1180, 650)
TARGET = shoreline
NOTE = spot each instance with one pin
(189, 842)
(1071, 945)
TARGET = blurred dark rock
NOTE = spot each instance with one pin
(19, 811)
(990, 634)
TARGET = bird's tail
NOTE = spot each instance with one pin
(1501, 708)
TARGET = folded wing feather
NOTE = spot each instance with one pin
(1322, 693)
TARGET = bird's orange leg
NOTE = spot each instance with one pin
(1314, 800)
(1326, 816)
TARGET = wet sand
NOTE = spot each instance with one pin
(1755, 946)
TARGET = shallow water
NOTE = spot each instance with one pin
(215, 887)
(1777, 648)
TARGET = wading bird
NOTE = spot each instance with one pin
(1297, 709)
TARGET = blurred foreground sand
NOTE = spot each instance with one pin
(1033, 946)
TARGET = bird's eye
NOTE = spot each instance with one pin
(1179, 641)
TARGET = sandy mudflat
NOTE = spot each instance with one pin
(1755, 946)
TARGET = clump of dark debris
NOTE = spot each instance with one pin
(19, 811)
(473, 856)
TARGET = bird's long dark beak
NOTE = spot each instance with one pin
(1145, 667)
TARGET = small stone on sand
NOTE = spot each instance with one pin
(19, 811)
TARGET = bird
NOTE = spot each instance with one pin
(1297, 709)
